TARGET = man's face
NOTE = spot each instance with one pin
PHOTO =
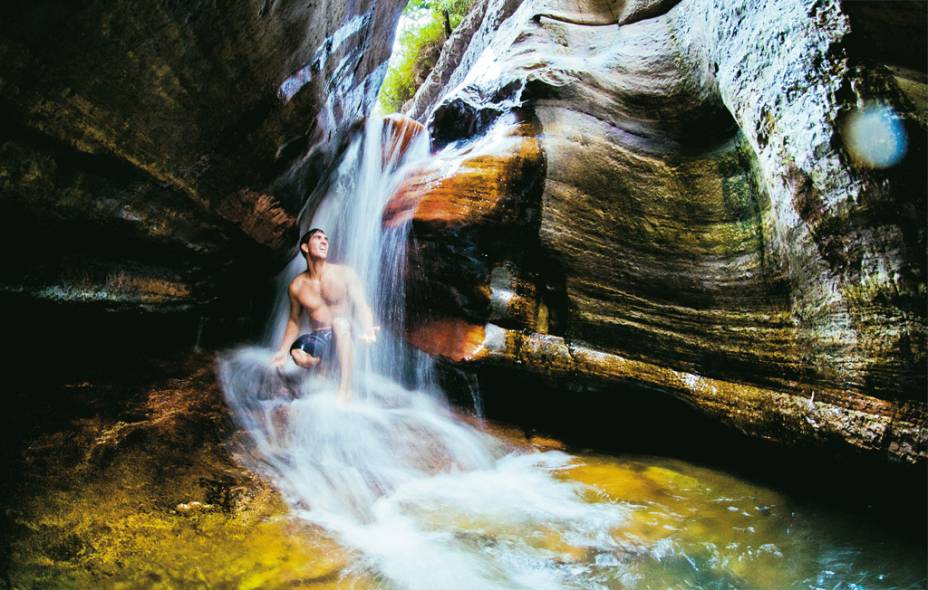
(318, 245)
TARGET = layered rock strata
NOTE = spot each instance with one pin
(146, 147)
(696, 219)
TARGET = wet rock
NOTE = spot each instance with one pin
(482, 190)
(149, 137)
(138, 485)
(701, 227)
(399, 131)
(192, 507)
(260, 217)
(452, 339)
(546, 443)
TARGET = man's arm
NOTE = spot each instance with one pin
(293, 327)
(362, 310)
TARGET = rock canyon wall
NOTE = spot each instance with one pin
(142, 140)
(669, 194)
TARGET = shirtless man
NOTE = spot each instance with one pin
(329, 293)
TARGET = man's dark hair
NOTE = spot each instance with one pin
(305, 238)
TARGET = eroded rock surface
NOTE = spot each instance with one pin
(141, 141)
(699, 224)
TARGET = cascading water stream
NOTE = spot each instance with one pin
(425, 499)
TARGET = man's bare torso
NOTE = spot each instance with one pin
(323, 298)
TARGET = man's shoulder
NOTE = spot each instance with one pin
(340, 270)
(297, 282)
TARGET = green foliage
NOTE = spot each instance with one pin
(455, 10)
(424, 29)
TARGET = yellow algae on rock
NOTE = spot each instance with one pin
(155, 501)
(670, 479)
(620, 483)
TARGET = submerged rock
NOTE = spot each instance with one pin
(139, 485)
(698, 223)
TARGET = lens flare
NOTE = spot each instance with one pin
(875, 136)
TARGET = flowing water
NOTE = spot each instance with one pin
(422, 499)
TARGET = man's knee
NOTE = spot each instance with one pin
(303, 359)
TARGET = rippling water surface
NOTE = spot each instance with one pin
(516, 515)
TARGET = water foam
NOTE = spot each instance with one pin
(425, 499)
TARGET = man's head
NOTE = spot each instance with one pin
(315, 244)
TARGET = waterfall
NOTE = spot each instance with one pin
(424, 499)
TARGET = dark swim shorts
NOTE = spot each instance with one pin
(317, 343)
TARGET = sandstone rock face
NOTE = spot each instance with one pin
(141, 141)
(698, 223)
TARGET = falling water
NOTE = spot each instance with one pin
(425, 500)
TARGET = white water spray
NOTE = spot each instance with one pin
(425, 500)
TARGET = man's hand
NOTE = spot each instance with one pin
(279, 359)
(370, 336)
